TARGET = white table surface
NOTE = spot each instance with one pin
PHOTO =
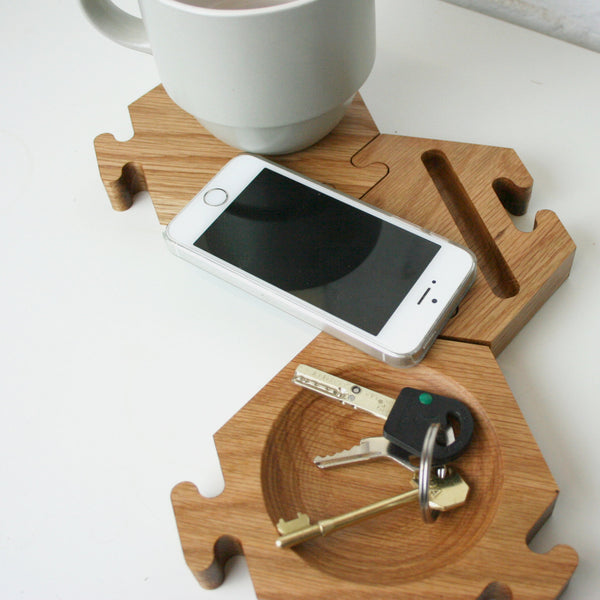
(119, 361)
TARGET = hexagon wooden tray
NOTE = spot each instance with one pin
(462, 191)
(479, 551)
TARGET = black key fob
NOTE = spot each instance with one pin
(413, 413)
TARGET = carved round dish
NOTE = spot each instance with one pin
(397, 546)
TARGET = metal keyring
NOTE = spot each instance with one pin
(429, 516)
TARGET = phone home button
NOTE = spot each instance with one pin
(215, 197)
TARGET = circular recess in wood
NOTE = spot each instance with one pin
(390, 548)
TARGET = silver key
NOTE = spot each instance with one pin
(344, 391)
(369, 448)
(350, 393)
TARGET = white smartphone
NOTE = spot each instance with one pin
(377, 282)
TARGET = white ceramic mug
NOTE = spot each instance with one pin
(265, 76)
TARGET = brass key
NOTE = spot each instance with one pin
(445, 493)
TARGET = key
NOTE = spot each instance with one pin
(445, 494)
(407, 417)
(369, 448)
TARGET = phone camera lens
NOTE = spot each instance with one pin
(355, 389)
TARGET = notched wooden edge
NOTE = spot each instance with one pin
(122, 182)
(225, 547)
(542, 519)
(500, 590)
(496, 591)
(566, 550)
(355, 162)
(568, 555)
(513, 197)
(183, 498)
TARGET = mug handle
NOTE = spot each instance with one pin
(116, 24)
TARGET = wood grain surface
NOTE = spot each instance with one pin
(466, 192)
(476, 551)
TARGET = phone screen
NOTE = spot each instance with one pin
(342, 260)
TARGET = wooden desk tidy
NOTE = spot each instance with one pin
(465, 192)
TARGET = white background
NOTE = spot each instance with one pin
(574, 21)
(119, 361)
